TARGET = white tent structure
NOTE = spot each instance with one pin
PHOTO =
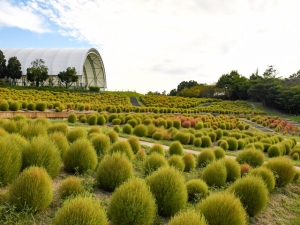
(87, 62)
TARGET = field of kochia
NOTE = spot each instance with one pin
(190, 168)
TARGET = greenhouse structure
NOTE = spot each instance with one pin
(87, 62)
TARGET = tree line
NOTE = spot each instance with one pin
(269, 88)
(36, 74)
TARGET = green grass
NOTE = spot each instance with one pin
(274, 112)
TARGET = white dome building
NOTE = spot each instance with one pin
(87, 62)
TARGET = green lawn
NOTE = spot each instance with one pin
(274, 112)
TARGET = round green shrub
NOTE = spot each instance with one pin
(223, 209)
(10, 160)
(252, 157)
(101, 120)
(205, 157)
(283, 169)
(127, 129)
(274, 151)
(177, 162)
(215, 174)
(197, 189)
(113, 170)
(158, 135)
(233, 169)
(134, 143)
(266, 175)
(241, 143)
(101, 143)
(232, 143)
(4, 106)
(197, 142)
(31, 106)
(42, 152)
(189, 162)
(295, 156)
(158, 148)
(132, 122)
(132, 204)
(80, 157)
(168, 187)
(15, 106)
(140, 130)
(199, 126)
(31, 130)
(176, 148)
(113, 136)
(188, 217)
(72, 118)
(141, 154)
(31, 190)
(61, 142)
(117, 128)
(219, 134)
(58, 127)
(252, 192)
(76, 133)
(41, 106)
(116, 122)
(92, 119)
(153, 162)
(213, 136)
(183, 137)
(223, 144)
(71, 186)
(95, 130)
(81, 210)
(219, 153)
(123, 147)
(206, 142)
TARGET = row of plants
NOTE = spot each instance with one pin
(173, 101)
(230, 107)
(145, 184)
(276, 123)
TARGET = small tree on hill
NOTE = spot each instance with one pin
(38, 73)
(14, 68)
(3, 69)
(68, 77)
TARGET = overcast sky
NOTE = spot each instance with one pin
(154, 45)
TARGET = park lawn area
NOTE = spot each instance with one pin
(274, 112)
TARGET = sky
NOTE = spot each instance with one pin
(153, 45)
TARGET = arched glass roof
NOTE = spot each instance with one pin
(87, 62)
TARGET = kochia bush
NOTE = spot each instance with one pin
(132, 204)
(80, 157)
(217, 209)
(81, 210)
(113, 170)
(188, 217)
(168, 187)
(31, 190)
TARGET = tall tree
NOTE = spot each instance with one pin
(186, 84)
(68, 77)
(38, 73)
(3, 69)
(14, 68)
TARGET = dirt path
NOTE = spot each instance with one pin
(134, 101)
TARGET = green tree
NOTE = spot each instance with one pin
(38, 73)
(186, 84)
(3, 69)
(68, 77)
(14, 68)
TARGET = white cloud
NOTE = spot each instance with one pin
(154, 45)
(21, 16)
